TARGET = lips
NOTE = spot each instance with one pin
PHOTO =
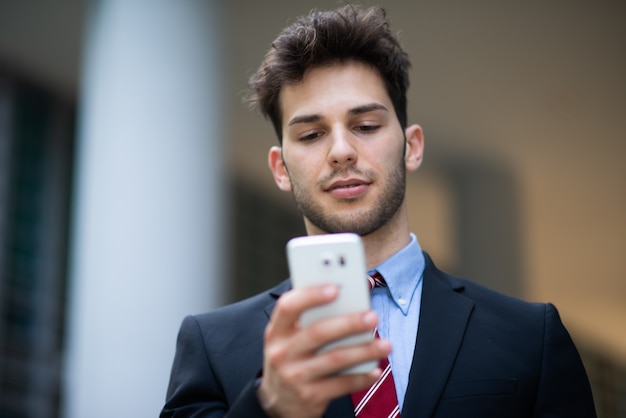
(348, 189)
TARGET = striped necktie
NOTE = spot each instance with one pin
(380, 400)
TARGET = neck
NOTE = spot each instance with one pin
(382, 243)
(387, 240)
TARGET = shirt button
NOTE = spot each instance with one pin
(402, 301)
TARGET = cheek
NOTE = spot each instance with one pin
(301, 167)
(385, 158)
(297, 177)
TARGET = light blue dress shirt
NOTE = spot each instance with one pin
(398, 309)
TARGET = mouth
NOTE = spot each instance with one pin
(346, 184)
(348, 189)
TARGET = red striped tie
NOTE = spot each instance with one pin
(380, 400)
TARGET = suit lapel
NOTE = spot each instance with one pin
(275, 293)
(444, 315)
(340, 408)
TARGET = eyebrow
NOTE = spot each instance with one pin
(370, 107)
(367, 108)
(304, 119)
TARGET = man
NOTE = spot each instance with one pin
(334, 86)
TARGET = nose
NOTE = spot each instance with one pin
(342, 148)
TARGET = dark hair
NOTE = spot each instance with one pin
(324, 37)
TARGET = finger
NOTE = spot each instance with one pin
(331, 329)
(331, 362)
(340, 385)
(309, 340)
(291, 305)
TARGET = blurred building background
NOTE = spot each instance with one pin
(134, 187)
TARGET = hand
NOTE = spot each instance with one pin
(299, 381)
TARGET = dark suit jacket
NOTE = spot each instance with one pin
(478, 354)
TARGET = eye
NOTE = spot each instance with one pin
(367, 128)
(310, 136)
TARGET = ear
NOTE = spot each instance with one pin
(414, 147)
(278, 168)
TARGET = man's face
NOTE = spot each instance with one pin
(342, 150)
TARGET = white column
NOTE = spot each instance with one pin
(148, 205)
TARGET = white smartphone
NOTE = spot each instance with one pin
(336, 259)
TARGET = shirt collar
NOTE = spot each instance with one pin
(403, 273)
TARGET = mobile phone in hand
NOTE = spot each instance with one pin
(333, 259)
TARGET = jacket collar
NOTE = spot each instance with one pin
(444, 315)
(275, 293)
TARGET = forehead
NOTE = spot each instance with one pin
(333, 87)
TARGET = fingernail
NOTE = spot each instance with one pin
(383, 345)
(370, 318)
(329, 290)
